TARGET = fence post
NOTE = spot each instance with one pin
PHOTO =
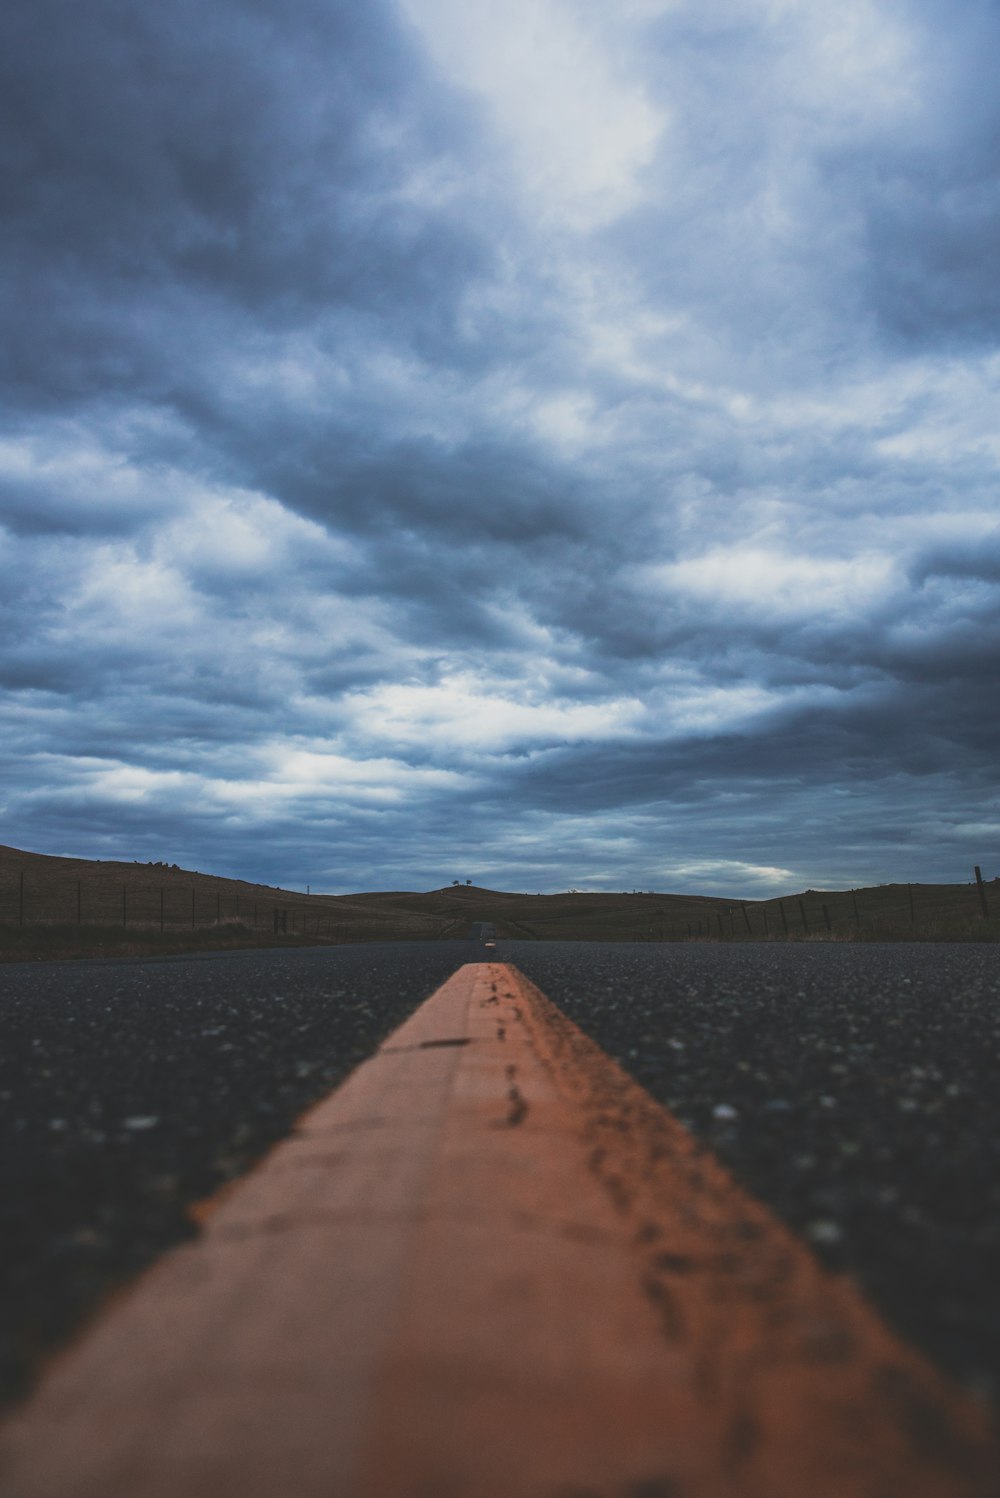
(718, 916)
(218, 907)
(826, 917)
(689, 930)
(161, 907)
(124, 904)
(854, 901)
(784, 918)
(192, 907)
(767, 933)
(982, 893)
(79, 902)
(746, 918)
(909, 896)
(20, 901)
(805, 923)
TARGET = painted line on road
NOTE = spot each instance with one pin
(491, 1266)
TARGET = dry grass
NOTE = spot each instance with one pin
(69, 907)
(82, 907)
(886, 912)
(949, 912)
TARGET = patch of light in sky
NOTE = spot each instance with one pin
(718, 870)
(851, 60)
(580, 133)
(778, 583)
(460, 712)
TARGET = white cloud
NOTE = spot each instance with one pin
(706, 708)
(713, 871)
(771, 583)
(279, 776)
(239, 534)
(579, 131)
(856, 60)
(299, 771)
(71, 476)
(463, 713)
(124, 595)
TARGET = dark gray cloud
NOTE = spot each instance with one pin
(931, 203)
(527, 444)
(172, 176)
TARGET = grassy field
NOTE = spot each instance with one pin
(85, 907)
(63, 907)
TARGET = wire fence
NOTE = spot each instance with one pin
(39, 903)
(888, 911)
(163, 907)
(881, 913)
(36, 901)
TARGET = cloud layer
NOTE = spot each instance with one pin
(526, 442)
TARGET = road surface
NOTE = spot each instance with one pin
(130, 1089)
(850, 1088)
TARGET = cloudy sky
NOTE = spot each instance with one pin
(538, 441)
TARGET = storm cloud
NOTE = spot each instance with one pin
(526, 442)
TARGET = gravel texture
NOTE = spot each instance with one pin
(130, 1089)
(855, 1089)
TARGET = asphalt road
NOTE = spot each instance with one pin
(852, 1088)
(130, 1089)
(855, 1089)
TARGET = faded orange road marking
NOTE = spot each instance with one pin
(490, 1266)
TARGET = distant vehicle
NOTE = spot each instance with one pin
(489, 944)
